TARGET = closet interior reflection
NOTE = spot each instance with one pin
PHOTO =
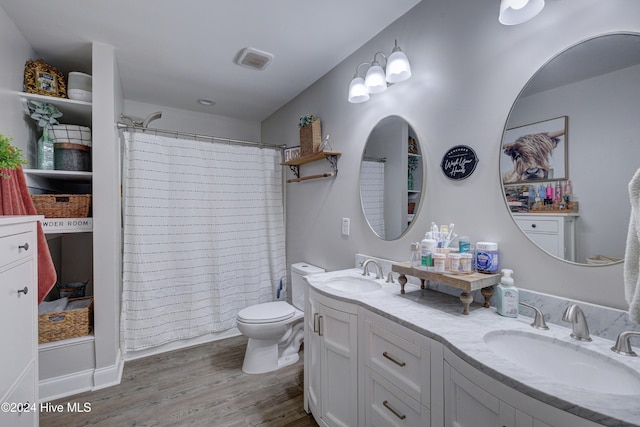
(391, 177)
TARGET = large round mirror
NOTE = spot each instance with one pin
(570, 147)
(391, 177)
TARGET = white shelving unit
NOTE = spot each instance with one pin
(70, 242)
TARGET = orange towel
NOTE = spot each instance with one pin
(15, 200)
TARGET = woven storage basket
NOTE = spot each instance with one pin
(62, 205)
(310, 138)
(62, 325)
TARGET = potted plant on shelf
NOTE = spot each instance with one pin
(10, 156)
(310, 135)
(44, 114)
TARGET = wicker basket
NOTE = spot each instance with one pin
(62, 205)
(62, 325)
(310, 138)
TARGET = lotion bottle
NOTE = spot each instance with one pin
(507, 295)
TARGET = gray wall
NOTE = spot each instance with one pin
(467, 71)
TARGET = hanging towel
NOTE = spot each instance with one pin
(632, 253)
(15, 200)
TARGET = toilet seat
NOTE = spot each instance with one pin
(267, 312)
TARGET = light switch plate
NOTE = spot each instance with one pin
(346, 222)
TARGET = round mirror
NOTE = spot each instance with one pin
(570, 147)
(391, 177)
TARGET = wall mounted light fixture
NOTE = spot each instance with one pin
(377, 79)
(514, 12)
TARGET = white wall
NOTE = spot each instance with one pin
(467, 71)
(194, 122)
(14, 51)
(604, 153)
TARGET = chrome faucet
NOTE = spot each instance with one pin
(390, 277)
(623, 346)
(365, 268)
(538, 321)
(574, 315)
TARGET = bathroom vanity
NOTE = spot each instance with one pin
(414, 359)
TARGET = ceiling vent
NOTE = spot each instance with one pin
(253, 58)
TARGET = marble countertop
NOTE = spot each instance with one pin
(439, 317)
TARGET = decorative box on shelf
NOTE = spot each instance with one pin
(310, 138)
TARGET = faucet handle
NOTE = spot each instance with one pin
(623, 346)
(390, 277)
(538, 321)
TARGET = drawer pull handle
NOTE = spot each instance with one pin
(320, 325)
(25, 246)
(533, 226)
(388, 356)
(393, 410)
(315, 322)
(23, 291)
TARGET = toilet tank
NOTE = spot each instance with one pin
(298, 283)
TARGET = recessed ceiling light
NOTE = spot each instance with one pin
(206, 102)
(253, 58)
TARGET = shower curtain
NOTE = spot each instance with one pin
(203, 236)
(372, 191)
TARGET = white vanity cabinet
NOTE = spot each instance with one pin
(555, 233)
(331, 360)
(397, 374)
(18, 313)
(473, 399)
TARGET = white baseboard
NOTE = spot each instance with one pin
(79, 382)
(65, 385)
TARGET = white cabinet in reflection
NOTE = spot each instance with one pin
(553, 232)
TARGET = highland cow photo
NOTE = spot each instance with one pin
(535, 152)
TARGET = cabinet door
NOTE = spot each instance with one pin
(18, 319)
(467, 405)
(312, 357)
(339, 366)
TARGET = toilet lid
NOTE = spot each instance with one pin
(266, 312)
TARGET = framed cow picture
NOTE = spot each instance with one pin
(536, 152)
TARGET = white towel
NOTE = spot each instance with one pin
(632, 254)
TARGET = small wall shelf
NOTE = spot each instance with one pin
(294, 165)
(466, 282)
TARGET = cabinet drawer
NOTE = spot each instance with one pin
(538, 225)
(403, 363)
(18, 315)
(16, 246)
(390, 406)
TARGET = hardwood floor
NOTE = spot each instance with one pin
(198, 386)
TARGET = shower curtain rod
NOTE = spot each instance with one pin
(176, 133)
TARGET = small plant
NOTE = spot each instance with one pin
(43, 113)
(307, 120)
(10, 156)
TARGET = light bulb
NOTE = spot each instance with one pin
(398, 67)
(358, 91)
(375, 80)
(514, 12)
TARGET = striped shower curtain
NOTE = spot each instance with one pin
(203, 236)
(372, 194)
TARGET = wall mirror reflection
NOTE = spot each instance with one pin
(391, 177)
(570, 147)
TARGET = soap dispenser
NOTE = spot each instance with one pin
(507, 295)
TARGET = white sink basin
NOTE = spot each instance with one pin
(353, 284)
(564, 363)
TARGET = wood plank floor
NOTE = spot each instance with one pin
(198, 386)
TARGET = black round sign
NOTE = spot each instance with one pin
(459, 162)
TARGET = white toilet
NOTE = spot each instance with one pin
(275, 329)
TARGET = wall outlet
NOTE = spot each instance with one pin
(345, 226)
